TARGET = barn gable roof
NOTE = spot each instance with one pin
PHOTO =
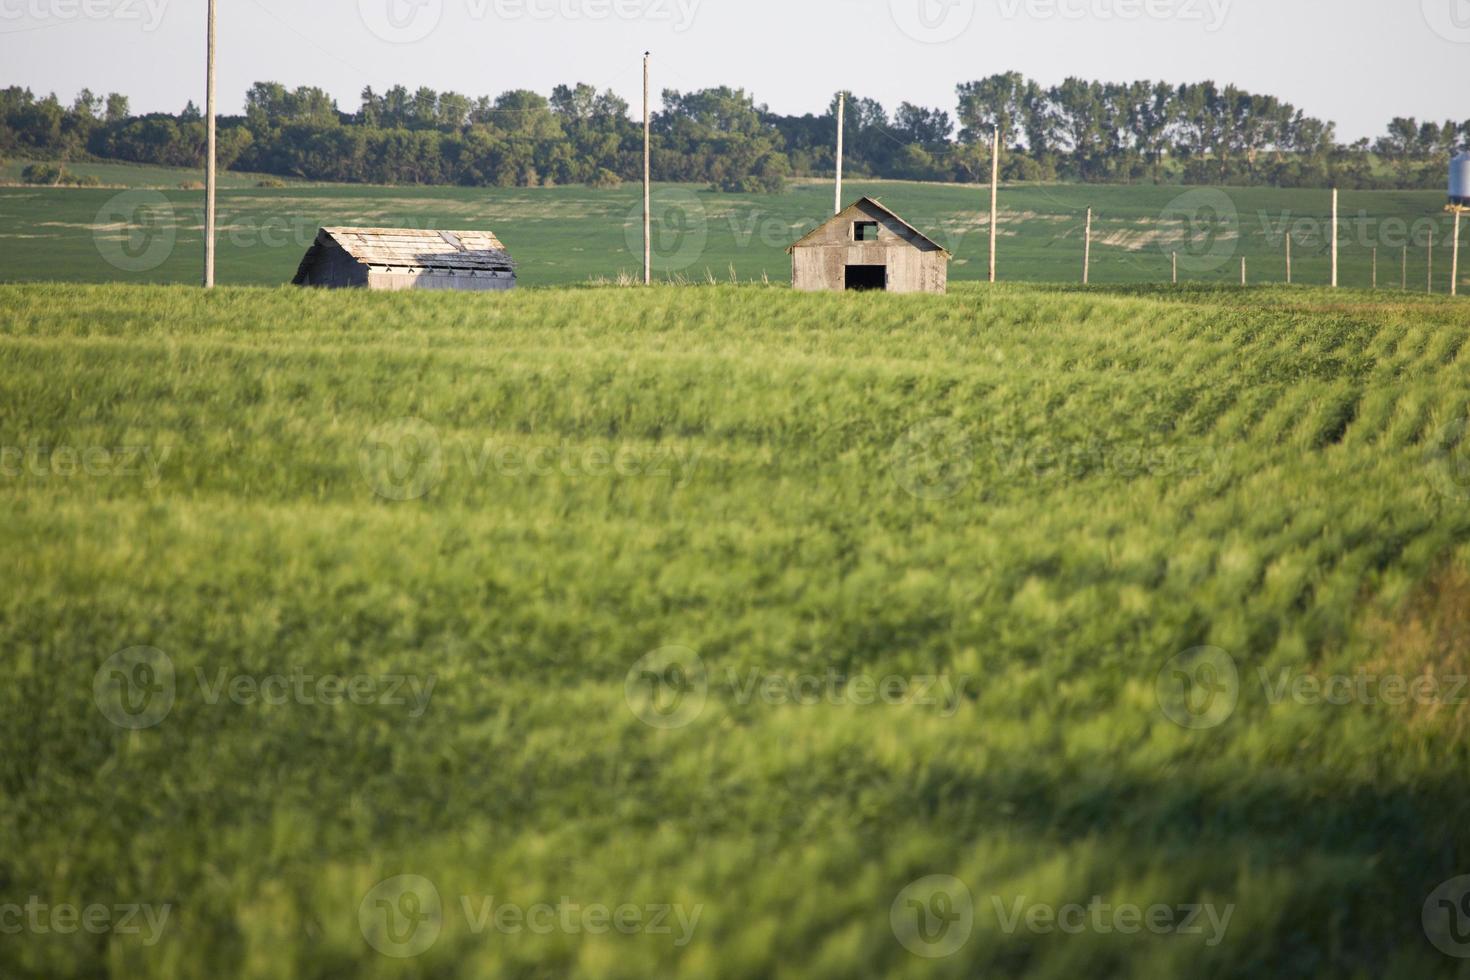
(872, 204)
(409, 248)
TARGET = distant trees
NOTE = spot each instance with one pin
(1079, 130)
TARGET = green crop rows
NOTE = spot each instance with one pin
(559, 515)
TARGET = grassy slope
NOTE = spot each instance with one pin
(119, 174)
(567, 235)
(1313, 520)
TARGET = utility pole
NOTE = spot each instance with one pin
(1175, 257)
(1404, 275)
(1375, 267)
(1087, 249)
(647, 178)
(994, 193)
(209, 162)
(1334, 238)
(1430, 289)
(1455, 256)
(841, 116)
(1242, 270)
(1288, 258)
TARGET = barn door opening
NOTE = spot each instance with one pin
(867, 277)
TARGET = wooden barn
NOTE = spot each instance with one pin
(867, 246)
(400, 258)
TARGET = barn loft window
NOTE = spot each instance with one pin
(865, 231)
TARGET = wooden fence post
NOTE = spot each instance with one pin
(1455, 257)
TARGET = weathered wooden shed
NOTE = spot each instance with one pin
(405, 258)
(867, 246)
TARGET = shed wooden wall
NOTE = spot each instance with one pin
(394, 279)
(914, 265)
(334, 268)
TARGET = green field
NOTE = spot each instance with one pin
(569, 235)
(645, 559)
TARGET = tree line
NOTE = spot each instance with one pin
(1077, 131)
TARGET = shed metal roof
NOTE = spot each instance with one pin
(881, 207)
(410, 248)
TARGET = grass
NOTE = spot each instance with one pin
(569, 235)
(1033, 499)
(143, 176)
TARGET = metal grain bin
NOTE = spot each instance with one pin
(1460, 180)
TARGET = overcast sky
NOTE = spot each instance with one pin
(1356, 62)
